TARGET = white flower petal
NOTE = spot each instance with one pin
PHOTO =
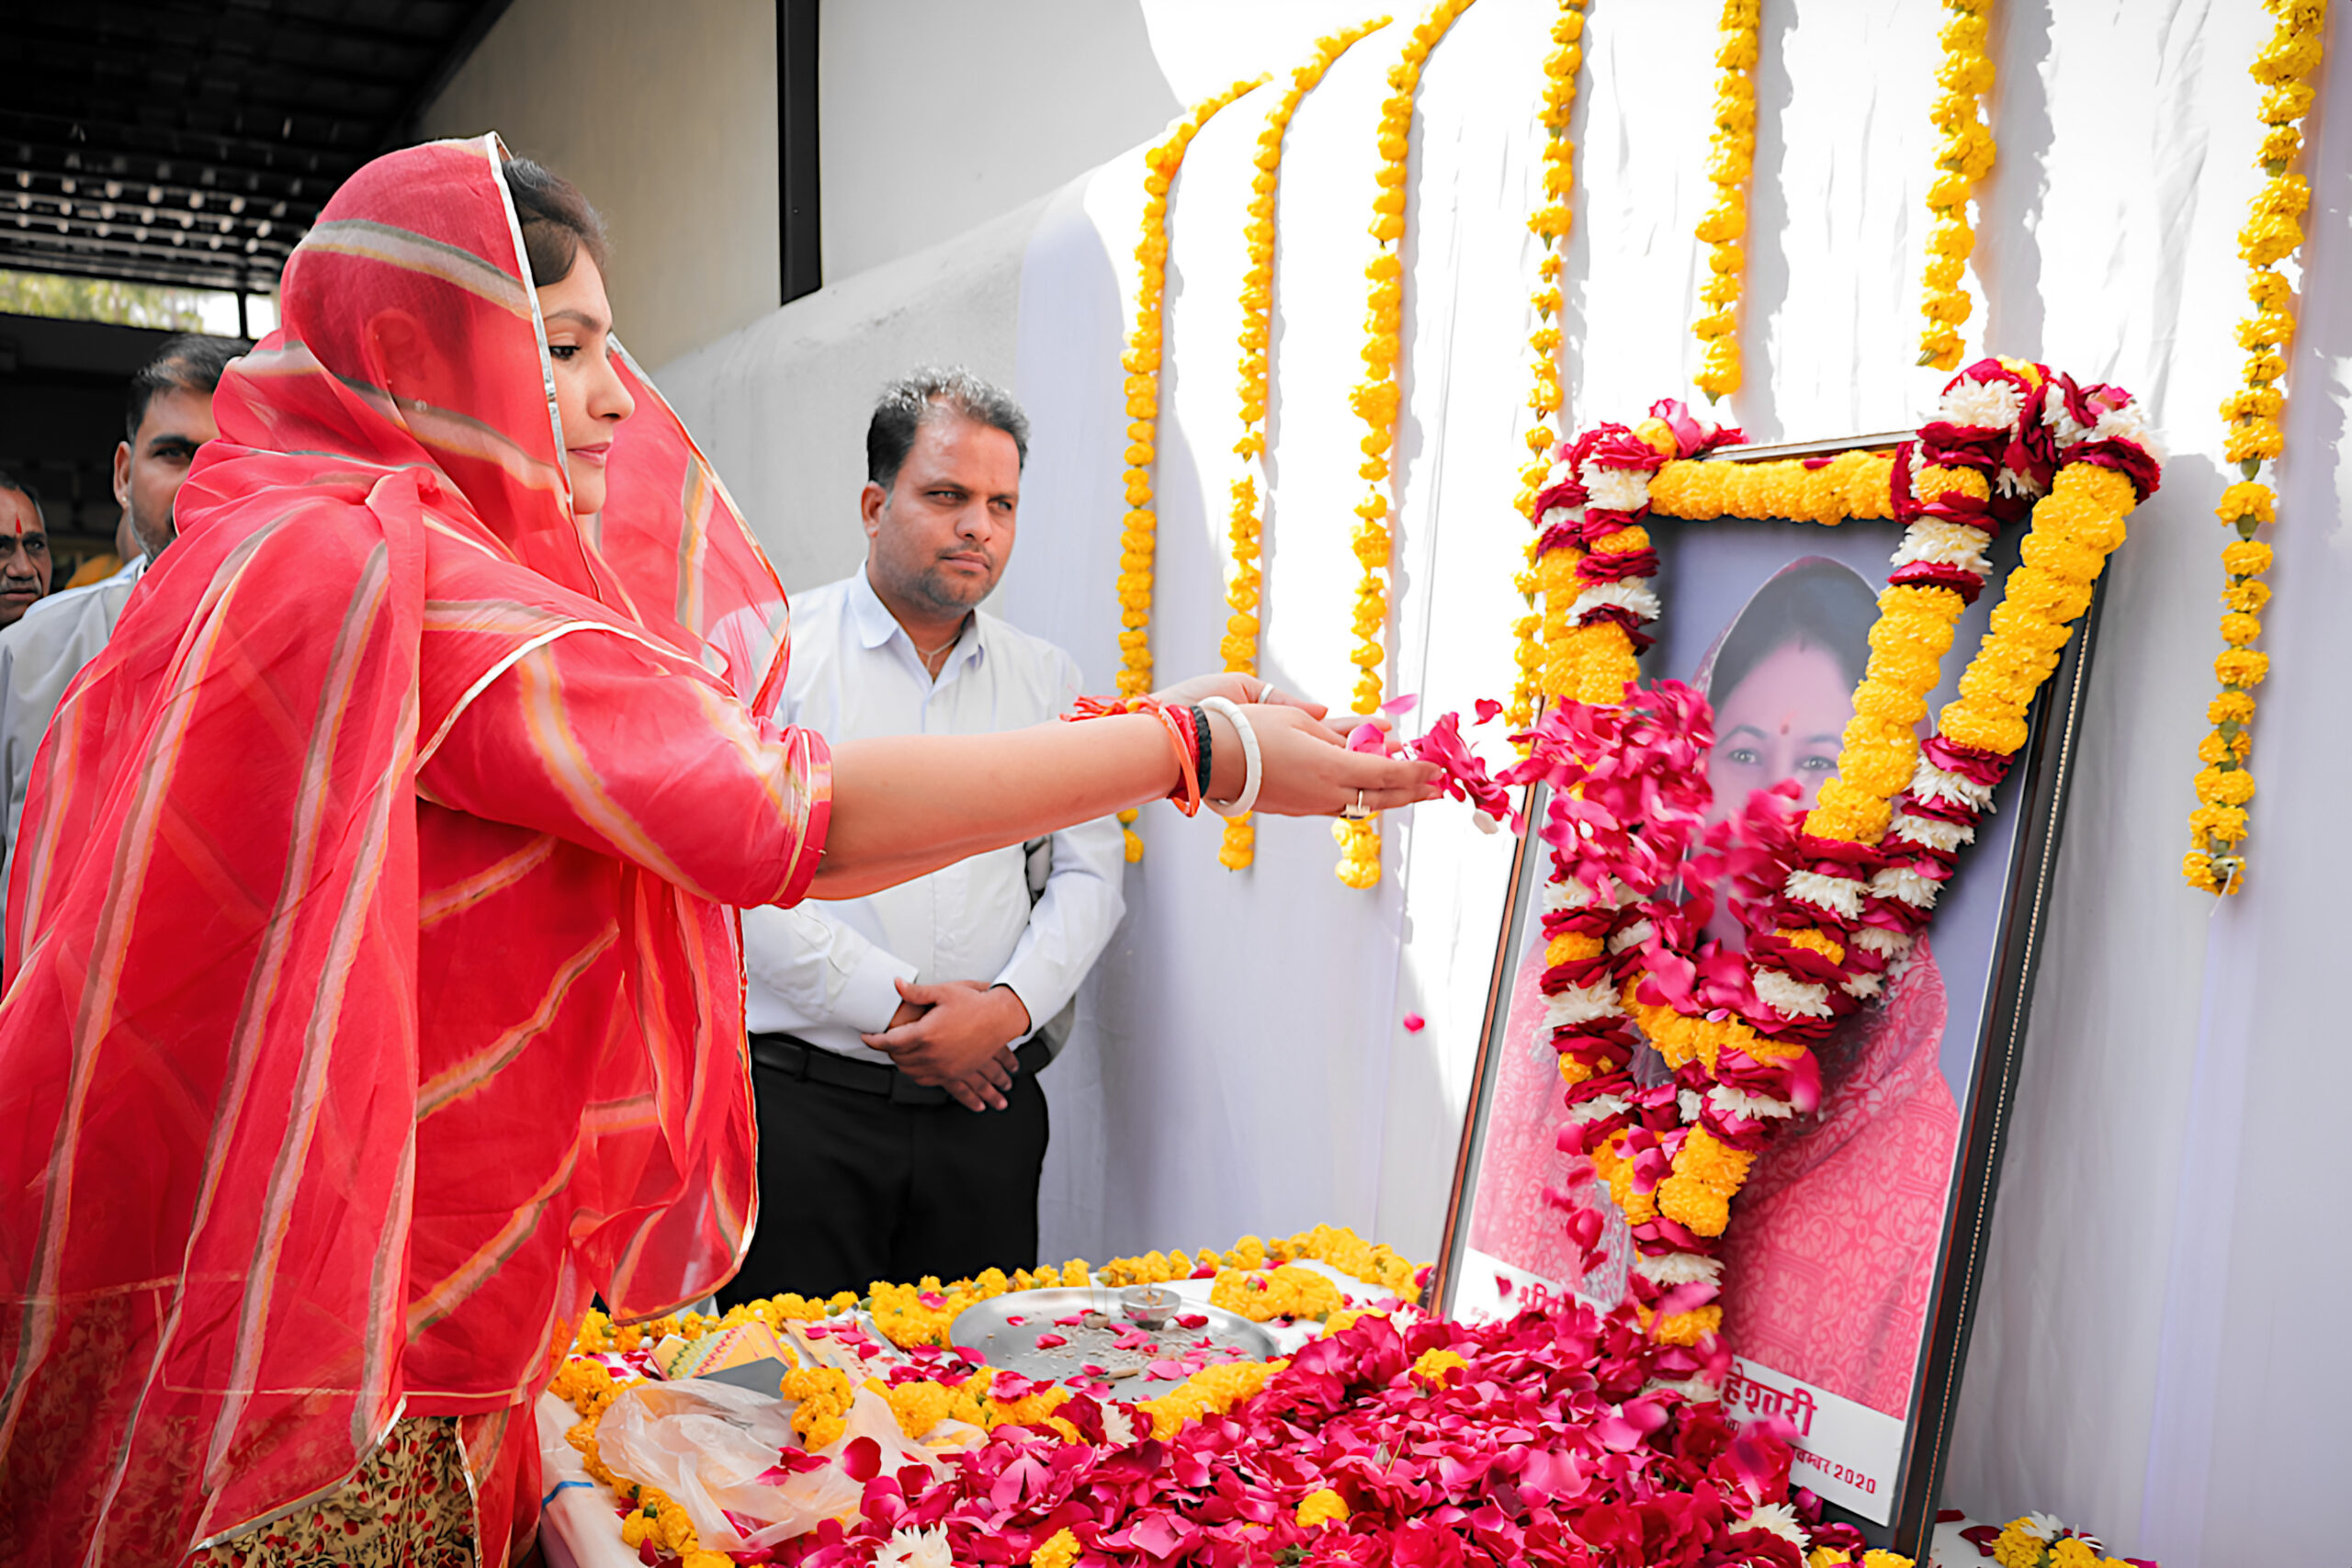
(1672, 1269)
(1780, 1519)
(1790, 997)
(1930, 783)
(1931, 832)
(1733, 1102)
(1903, 883)
(1629, 595)
(916, 1549)
(1580, 1004)
(1885, 943)
(1990, 405)
(1617, 490)
(1842, 894)
(1597, 1107)
(1945, 543)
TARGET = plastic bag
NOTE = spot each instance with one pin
(706, 1444)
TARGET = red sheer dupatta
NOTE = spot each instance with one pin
(370, 1001)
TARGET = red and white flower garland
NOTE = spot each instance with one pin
(1828, 903)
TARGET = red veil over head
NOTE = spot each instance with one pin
(328, 1092)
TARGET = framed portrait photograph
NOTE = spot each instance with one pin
(1851, 1262)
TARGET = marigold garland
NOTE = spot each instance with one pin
(1246, 528)
(2272, 233)
(1549, 224)
(1376, 400)
(1138, 536)
(1731, 158)
(1964, 157)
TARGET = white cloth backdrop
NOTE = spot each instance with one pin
(2154, 1357)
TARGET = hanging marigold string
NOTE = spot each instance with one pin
(1247, 528)
(1964, 156)
(1731, 157)
(1549, 224)
(2272, 233)
(1376, 400)
(1141, 362)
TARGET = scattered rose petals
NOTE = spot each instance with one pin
(1051, 1341)
(1488, 710)
(1415, 1023)
(1192, 1320)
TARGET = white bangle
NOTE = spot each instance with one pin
(1251, 773)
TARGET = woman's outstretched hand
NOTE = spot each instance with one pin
(1306, 769)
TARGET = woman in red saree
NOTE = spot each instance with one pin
(373, 991)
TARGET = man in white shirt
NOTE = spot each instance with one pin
(895, 1039)
(167, 415)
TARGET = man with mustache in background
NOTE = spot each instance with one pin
(167, 415)
(895, 1039)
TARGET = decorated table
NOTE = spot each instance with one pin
(1375, 1434)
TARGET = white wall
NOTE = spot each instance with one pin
(665, 116)
(937, 115)
(781, 407)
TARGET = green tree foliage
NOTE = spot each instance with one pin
(101, 299)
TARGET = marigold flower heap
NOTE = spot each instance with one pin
(1246, 529)
(2272, 233)
(1139, 539)
(1731, 158)
(1376, 400)
(1963, 157)
(1549, 224)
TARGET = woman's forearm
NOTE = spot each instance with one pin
(905, 805)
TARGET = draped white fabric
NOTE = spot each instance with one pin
(2152, 1359)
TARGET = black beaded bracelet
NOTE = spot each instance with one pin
(1201, 732)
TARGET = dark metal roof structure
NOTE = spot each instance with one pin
(193, 141)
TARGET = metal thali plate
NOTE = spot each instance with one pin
(987, 1329)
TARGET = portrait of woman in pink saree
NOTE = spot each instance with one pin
(1831, 1251)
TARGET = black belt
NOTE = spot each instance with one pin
(813, 1063)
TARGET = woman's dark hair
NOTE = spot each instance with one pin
(1815, 603)
(558, 222)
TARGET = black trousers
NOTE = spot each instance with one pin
(856, 1188)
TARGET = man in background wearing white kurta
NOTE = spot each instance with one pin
(897, 1039)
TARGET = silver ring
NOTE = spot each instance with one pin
(1357, 812)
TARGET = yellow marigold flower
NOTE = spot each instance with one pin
(2245, 498)
(1324, 1507)
(2246, 595)
(2233, 786)
(1875, 1558)
(2245, 557)
(2238, 629)
(1434, 1365)
(1060, 1550)
(2230, 707)
(2224, 824)
(2242, 667)
(2197, 869)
